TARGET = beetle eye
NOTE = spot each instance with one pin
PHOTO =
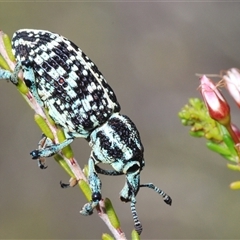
(133, 168)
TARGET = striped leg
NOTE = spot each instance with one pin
(166, 198)
(137, 224)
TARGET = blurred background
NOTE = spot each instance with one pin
(149, 53)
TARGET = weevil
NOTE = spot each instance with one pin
(69, 85)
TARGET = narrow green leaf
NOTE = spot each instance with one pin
(58, 158)
(233, 167)
(106, 236)
(8, 47)
(111, 213)
(135, 235)
(3, 63)
(85, 189)
(230, 144)
(67, 151)
(43, 126)
(49, 118)
(235, 185)
(85, 171)
(22, 87)
(218, 148)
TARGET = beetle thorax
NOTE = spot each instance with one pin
(117, 142)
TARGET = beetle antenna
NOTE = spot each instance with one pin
(166, 198)
(137, 224)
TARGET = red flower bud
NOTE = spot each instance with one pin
(217, 106)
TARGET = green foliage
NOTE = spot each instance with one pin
(218, 139)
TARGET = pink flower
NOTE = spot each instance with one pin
(232, 82)
(217, 106)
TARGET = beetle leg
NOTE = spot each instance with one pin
(50, 150)
(95, 186)
(29, 79)
(72, 182)
(12, 76)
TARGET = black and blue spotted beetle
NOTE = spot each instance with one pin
(67, 83)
